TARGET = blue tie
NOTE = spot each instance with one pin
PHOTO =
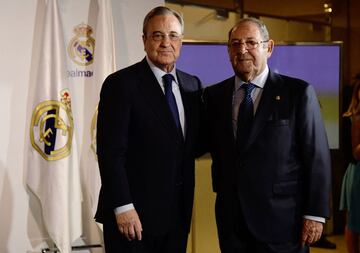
(168, 78)
(245, 115)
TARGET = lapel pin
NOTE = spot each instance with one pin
(277, 98)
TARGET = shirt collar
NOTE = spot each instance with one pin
(159, 72)
(259, 80)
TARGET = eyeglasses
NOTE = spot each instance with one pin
(159, 36)
(249, 44)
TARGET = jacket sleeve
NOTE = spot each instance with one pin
(315, 154)
(112, 141)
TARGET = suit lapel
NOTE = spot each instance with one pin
(154, 96)
(227, 103)
(266, 106)
(186, 100)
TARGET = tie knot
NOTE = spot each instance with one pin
(248, 87)
(168, 78)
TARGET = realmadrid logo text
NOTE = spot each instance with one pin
(52, 126)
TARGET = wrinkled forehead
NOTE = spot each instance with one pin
(245, 30)
(163, 23)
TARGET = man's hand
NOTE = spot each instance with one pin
(311, 232)
(129, 224)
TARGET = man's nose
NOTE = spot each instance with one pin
(165, 41)
(242, 48)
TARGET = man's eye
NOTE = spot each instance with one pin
(157, 35)
(251, 42)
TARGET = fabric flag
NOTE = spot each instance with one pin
(103, 63)
(52, 164)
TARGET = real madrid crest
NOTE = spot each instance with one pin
(82, 47)
(52, 126)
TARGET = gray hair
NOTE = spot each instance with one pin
(262, 27)
(159, 11)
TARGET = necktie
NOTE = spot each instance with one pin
(168, 78)
(245, 115)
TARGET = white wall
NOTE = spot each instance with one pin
(19, 232)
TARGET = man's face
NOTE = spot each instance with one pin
(246, 61)
(163, 40)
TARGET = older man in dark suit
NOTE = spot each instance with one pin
(148, 127)
(271, 162)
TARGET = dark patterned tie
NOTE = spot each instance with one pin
(245, 115)
(168, 78)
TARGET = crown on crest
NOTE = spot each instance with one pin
(83, 30)
(65, 98)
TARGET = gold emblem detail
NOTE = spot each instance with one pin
(48, 117)
(93, 132)
(82, 47)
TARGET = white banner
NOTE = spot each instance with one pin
(87, 42)
(52, 162)
(99, 47)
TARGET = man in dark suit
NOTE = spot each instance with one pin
(148, 127)
(270, 156)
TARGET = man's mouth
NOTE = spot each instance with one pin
(243, 59)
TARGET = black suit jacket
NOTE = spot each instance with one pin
(284, 170)
(141, 153)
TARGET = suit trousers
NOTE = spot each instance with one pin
(174, 240)
(234, 235)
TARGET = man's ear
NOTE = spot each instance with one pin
(144, 40)
(270, 47)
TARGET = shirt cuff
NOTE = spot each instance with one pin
(314, 218)
(124, 208)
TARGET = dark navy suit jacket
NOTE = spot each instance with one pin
(284, 171)
(141, 153)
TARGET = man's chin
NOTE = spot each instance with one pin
(168, 65)
(244, 76)
(166, 60)
(244, 68)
